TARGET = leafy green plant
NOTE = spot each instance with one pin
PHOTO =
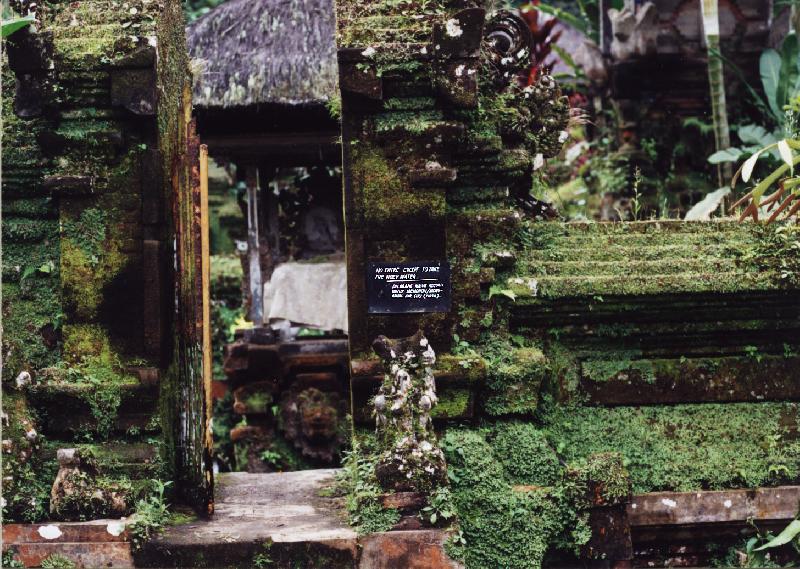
(57, 561)
(753, 353)
(263, 559)
(152, 513)
(784, 200)
(10, 560)
(358, 482)
(440, 508)
(583, 15)
(753, 138)
(780, 81)
(789, 535)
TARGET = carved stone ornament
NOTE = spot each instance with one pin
(411, 460)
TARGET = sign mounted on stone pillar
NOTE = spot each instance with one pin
(402, 288)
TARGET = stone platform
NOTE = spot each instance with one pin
(280, 520)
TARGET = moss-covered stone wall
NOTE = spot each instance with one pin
(83, 258)
(652, 345)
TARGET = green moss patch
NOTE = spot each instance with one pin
(686, 447)
(387, 198)
(514, 379)
(504, 527)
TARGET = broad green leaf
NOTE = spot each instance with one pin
(770, 68)
(789, 67)
(14, 24)
(579, 24)
(749, 165)
(786, 536)
(785, 152)
(757, 135)
(495, 290)
(746, 171)
(726, 155)
(703, 209)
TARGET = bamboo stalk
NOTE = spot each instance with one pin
(716, 83)
(205, 269)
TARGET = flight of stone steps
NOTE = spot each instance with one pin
(674, 299)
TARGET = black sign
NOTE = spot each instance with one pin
(399, 288)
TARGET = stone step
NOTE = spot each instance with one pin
(529, 289)
(706, 325)
(625, 253)
(667, 308)
(116, 459)
(284, 517)
(624, 269)
(83, 555)
(674, 529)
(753, 378)
(94, 531)
(76, 407)
(96, 543)
(651, 226)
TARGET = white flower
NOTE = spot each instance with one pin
(538, 161)
(369, 52)
(452, 28)
(563, 136)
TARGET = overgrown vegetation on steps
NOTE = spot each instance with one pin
(685, 447)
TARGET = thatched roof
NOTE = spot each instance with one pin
(264, 51)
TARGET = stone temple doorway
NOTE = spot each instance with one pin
(279, 307)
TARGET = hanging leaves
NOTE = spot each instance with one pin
(15, 24)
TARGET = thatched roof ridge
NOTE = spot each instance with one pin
(264, 51)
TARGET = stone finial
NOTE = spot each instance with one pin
(411, 459)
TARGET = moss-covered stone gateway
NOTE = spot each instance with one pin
(100, 336)
(654, 347)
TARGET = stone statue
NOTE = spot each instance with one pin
(411, 459)
(635, 31)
